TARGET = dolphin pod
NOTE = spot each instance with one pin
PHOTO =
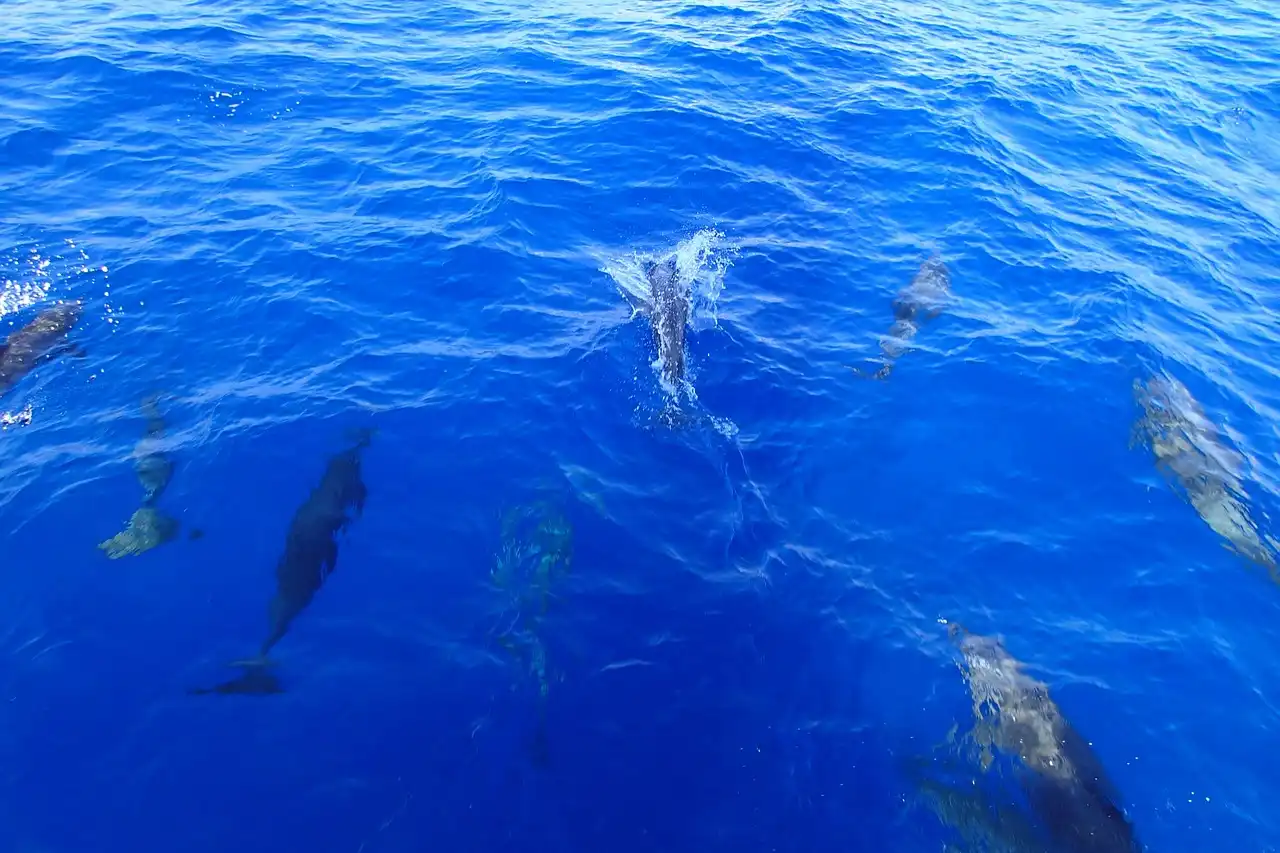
(1064, 781)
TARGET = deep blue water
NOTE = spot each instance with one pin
(297, 220)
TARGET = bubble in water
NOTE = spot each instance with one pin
(37, 273)
(22, 417)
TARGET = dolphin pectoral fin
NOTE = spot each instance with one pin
(68, 349)
(639, 307)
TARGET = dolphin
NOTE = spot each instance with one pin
(1065, 783)
(669, 297)
(254, 681)
(311, 550)
(919, 302)
(1191, 452)
(310, 556)
(42, 339)
(149, 526)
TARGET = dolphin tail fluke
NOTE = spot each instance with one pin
(882, 372)
(255, 680)
(247, 663)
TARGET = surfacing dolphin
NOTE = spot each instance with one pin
(310, 556)
(669, 296)
(1065, 783)
(919, 302)
(42, 339)
(1190, 451)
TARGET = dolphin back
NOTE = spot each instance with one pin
(670, 315)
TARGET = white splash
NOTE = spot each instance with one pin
(702, 261)
(34, 274)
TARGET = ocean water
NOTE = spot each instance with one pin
(291, 221)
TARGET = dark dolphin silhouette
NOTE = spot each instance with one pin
(311, 549)
(919, 302)
(310, 556)
(42, 339)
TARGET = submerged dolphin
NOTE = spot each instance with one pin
(1189, 450)
(310, 556)
(919, 302)
(670, 302)
(149, 526)
(1064, 781)
(311, 549)
(42, 339)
